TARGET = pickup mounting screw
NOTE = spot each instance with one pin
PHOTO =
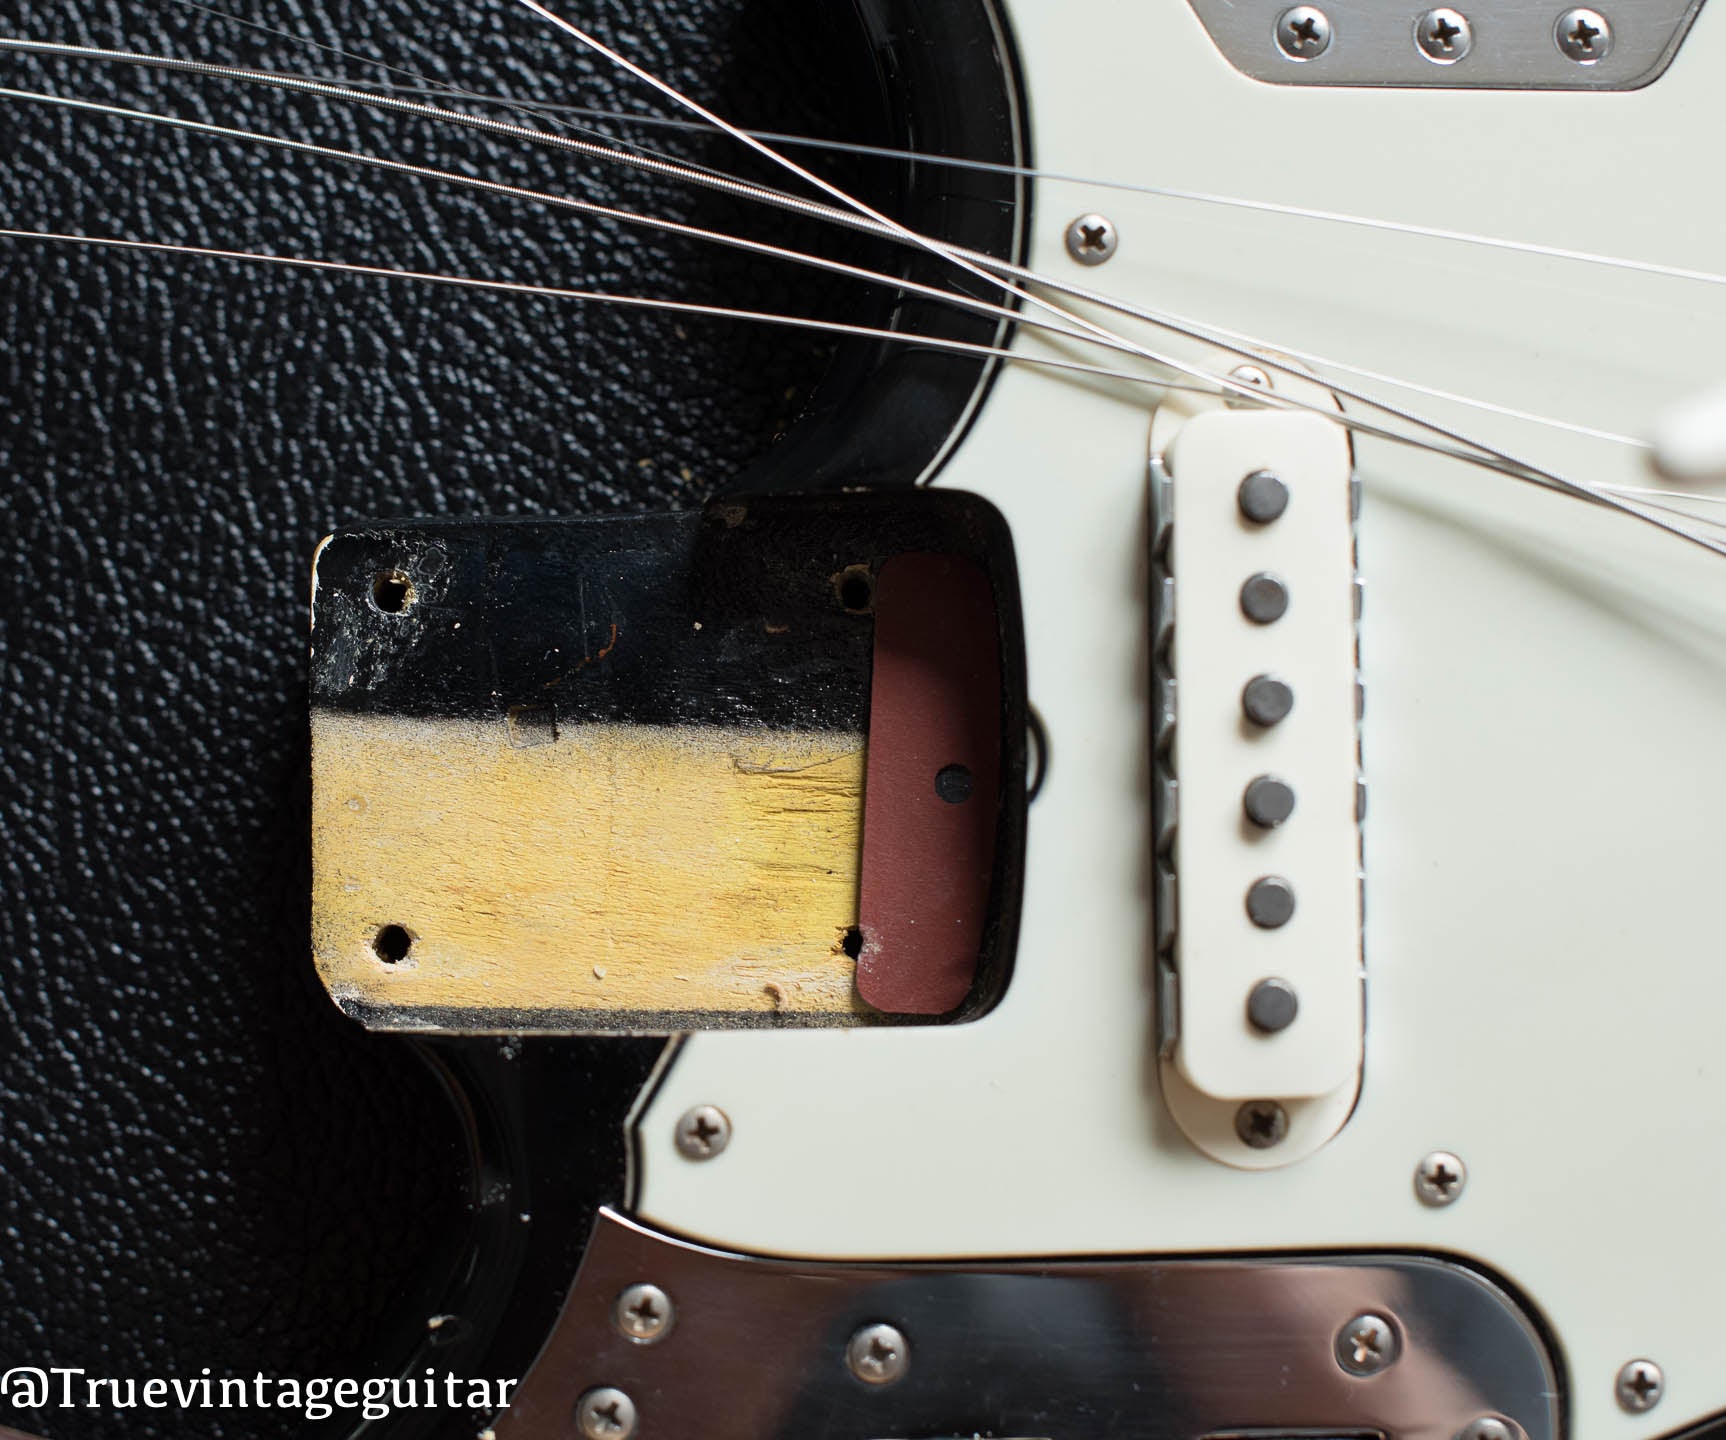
(878, 1354)
(605, 1414)
(643, 1313)
(1260, 1124)
(1092, 239)
(1490, 1427)
(1640, 1386)
(1583, 36)
(1444, 35)
(702, 1132)
(1303, 33)
(1439, 1180)
(1254, 377)
(1367, 1345)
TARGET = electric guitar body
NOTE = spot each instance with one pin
(1150, 870)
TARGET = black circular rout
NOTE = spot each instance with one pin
(953, 783)
(890, 413)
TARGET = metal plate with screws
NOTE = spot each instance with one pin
(770, 1349)
(1491, 44)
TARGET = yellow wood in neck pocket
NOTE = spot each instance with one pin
(584, 877)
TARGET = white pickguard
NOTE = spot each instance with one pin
(1546, 689)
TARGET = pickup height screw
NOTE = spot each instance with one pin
(1444, 35)
(643, 1313)
(1367, 1345)
(605, 1414)
(1303, 33)
(1439, 1179)
(878, 1355)
(1254, 377)
(1583, 36)
(1260, 1124)
(1640, 1386)
(1490, 1427)
(703, 1132)
(1092, 239)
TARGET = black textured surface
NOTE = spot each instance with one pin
(203, 1165)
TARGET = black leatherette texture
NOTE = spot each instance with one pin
(203, 1164)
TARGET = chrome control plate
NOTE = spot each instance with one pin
(1401, 1346)
(1504, 44)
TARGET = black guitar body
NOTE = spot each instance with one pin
(205, 1165)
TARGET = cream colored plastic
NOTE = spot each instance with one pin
(1217, 853)
(1546, 699)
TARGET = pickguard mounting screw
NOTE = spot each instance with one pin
(1367, 1345)
(1260, 1124)
(878, 1354)
(1092, 239)
(703, 1132)
(1640, 1386)
(1583, 36)
(643, 1313)
(1439, 1179)
(1443, 35)
(1303, 33)
(605, 1414)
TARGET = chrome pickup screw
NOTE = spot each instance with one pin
(1367, 1345)
(1303, 33)
(1260, 1124)
(1583, 36)
(605, 1414)
(1092, 239)
(703, 1132)
(643, 1313)
(878, 1354)
(1439, 1179)
(1444, 36)
(1640, 1386)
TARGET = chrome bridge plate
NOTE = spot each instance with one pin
(1164, 1349)
(1502, 44)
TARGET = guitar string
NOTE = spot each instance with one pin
(1507, 464)
(653, 303)
(766, 195)
(637, 302)
(1523, 469)
(515, 192)
(429, 86)
(432, 86)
